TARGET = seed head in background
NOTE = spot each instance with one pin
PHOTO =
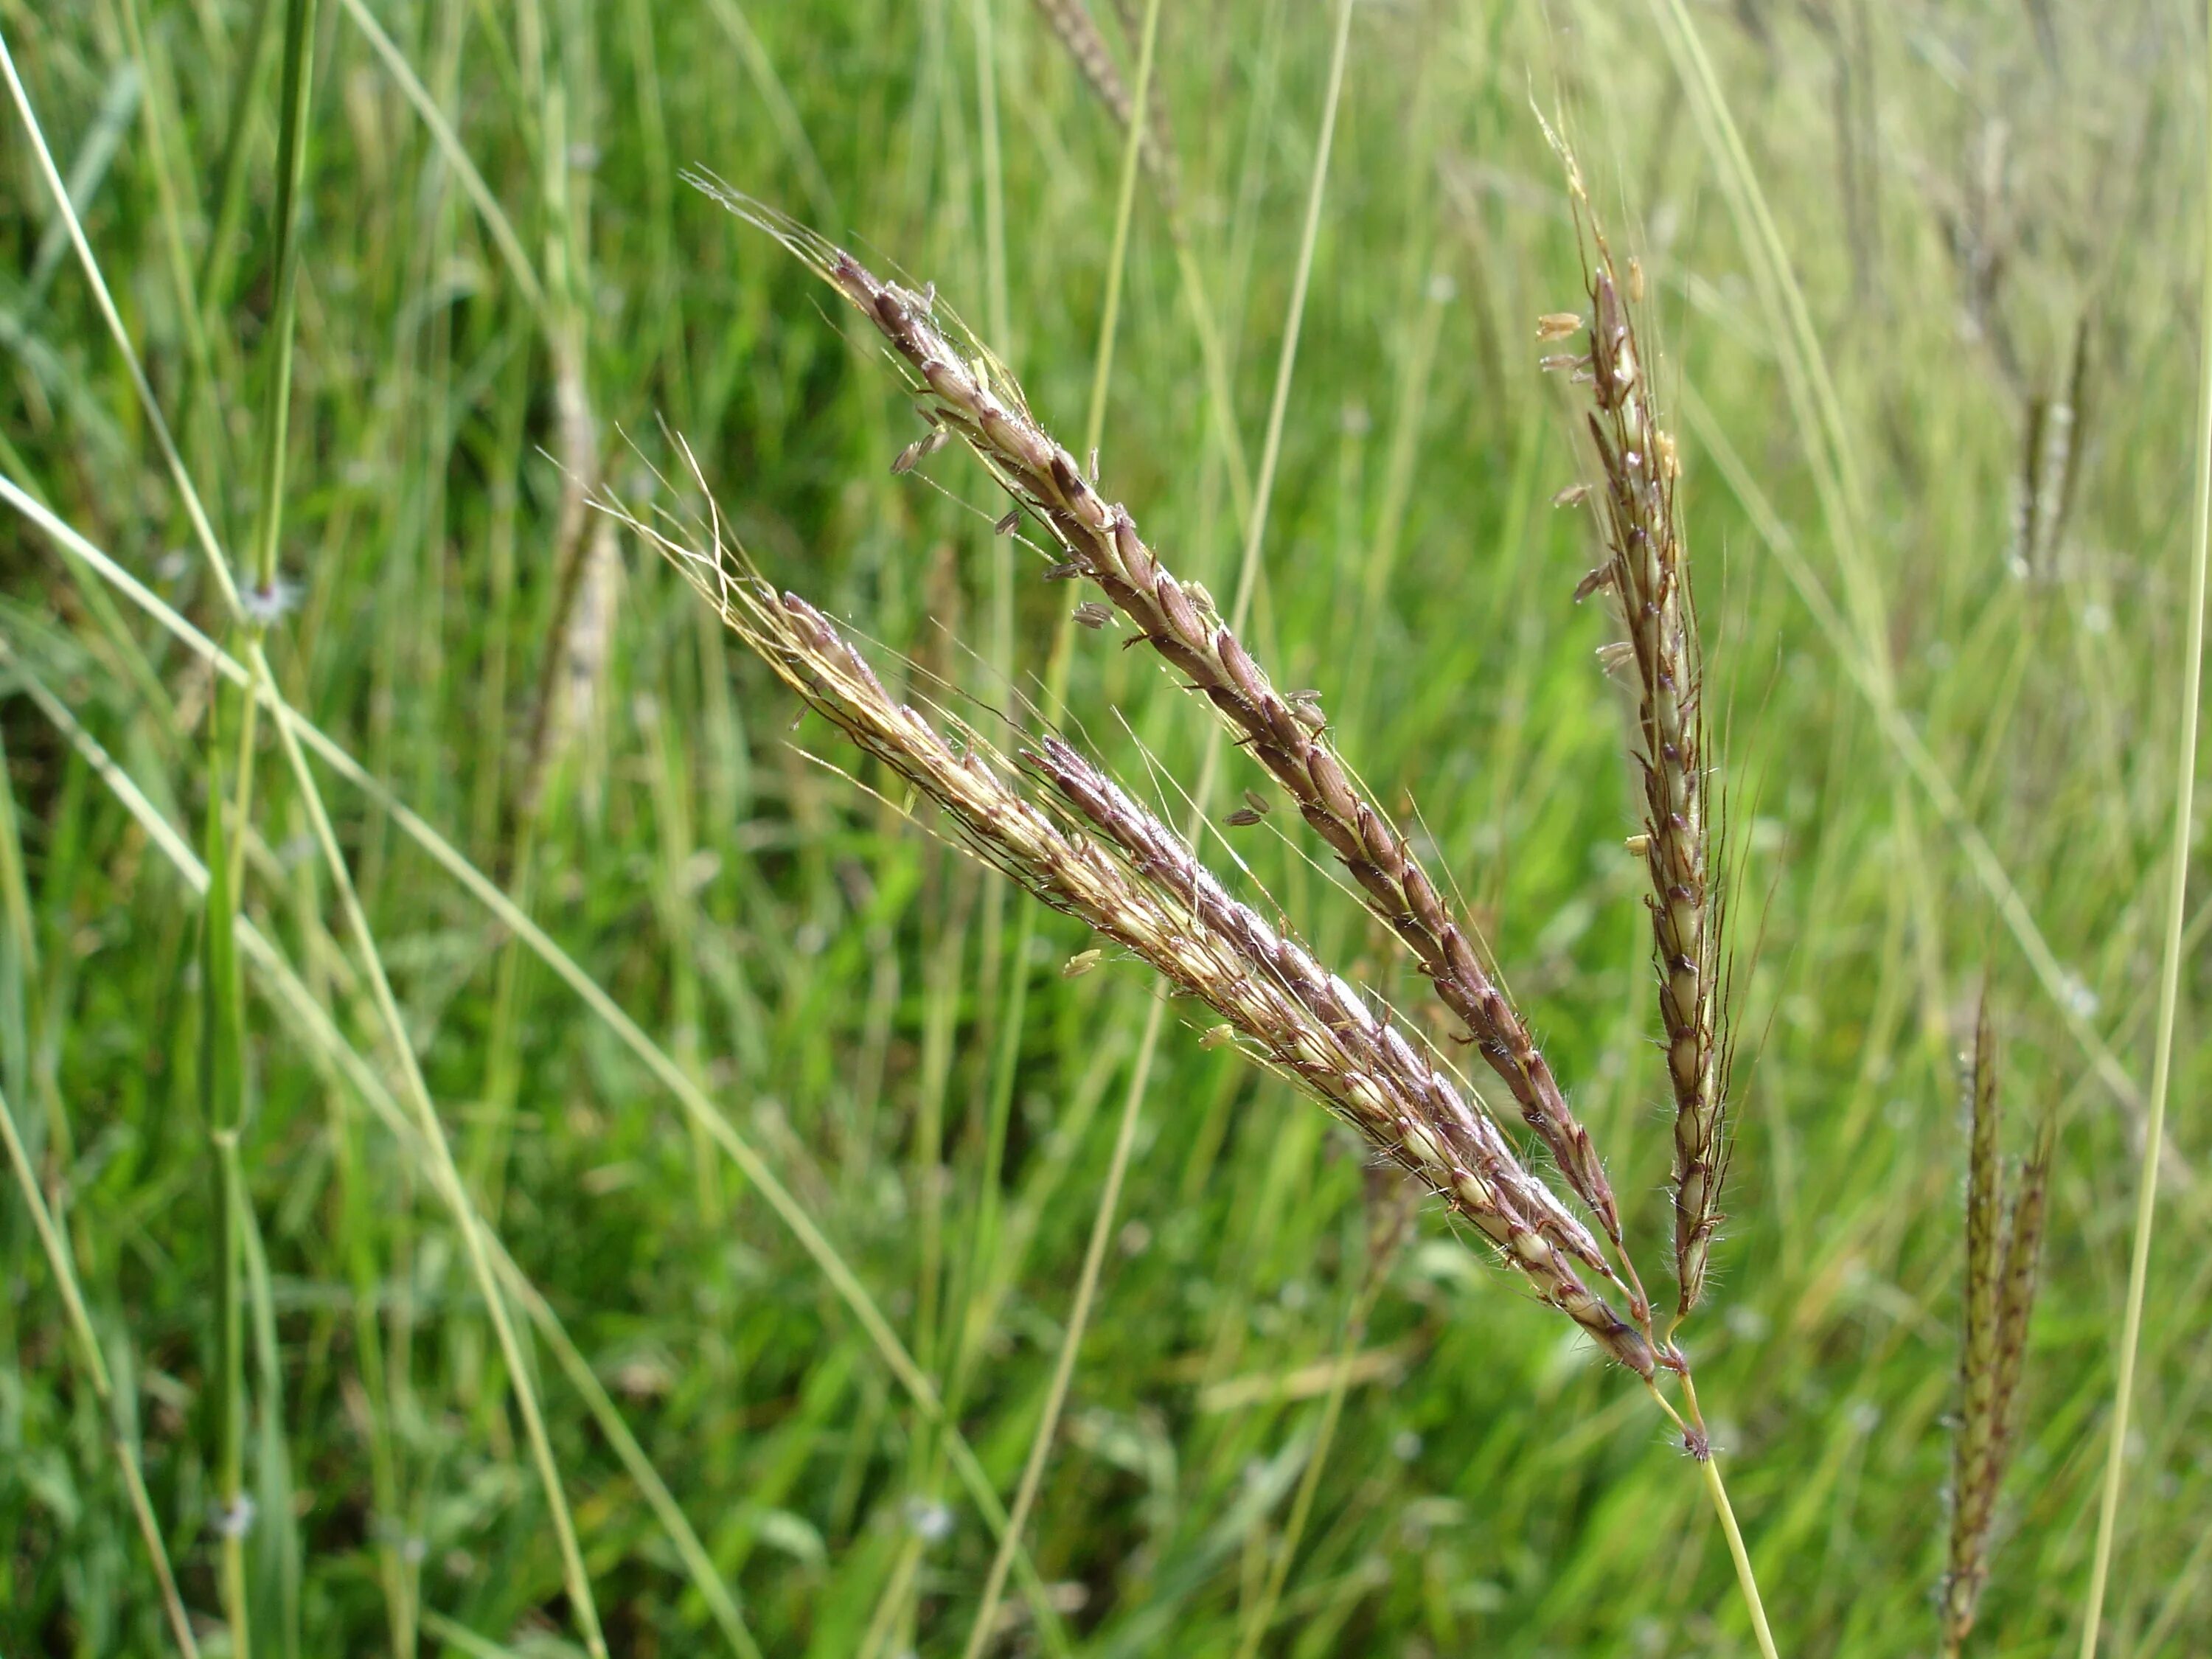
(2004, 1242)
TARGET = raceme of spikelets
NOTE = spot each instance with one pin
(970, 396)
(1646, 572)
(1110, 862)
(2004, 1238)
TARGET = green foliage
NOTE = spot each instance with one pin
(1974, 198)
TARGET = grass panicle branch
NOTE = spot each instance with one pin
(1112, 865)
(2005, 1241)
(974, 398)
(1646, 572)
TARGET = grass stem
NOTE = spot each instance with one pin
(2169, 981)
(1078, 1317)
(1709, 1464)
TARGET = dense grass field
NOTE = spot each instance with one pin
(570, 969)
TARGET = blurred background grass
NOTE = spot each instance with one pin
(1948, 740)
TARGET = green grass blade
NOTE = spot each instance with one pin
(2170, 961)
(291, 996)
(740, 1152)
(95, 1370)
(222, 1109)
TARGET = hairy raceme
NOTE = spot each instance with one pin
(1113, 866)
(1647, 574)
(974, 397)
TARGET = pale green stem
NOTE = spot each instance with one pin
(1701, 1443)
(2169, 985)
(1710, 1466)
(1057, 669)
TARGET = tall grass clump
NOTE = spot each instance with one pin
(1166, 1120)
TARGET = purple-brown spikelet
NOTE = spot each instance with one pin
(976, 399)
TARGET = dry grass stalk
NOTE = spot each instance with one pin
(578, 642)
(1075, 29)
(1113, 864)
(975, 398)
(1647, 573)
(2004, 1238)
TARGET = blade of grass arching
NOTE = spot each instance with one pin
(447, 1173)
(1255, 532)
(121, 1433)
(290, 994)
(2169, 981)
(219, 568)
(94, 1367)
(831, 1263)
(496, 221)
(222, 1090)
(790, 131)
(129, 657)
(262, 685)
(315, 1025)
